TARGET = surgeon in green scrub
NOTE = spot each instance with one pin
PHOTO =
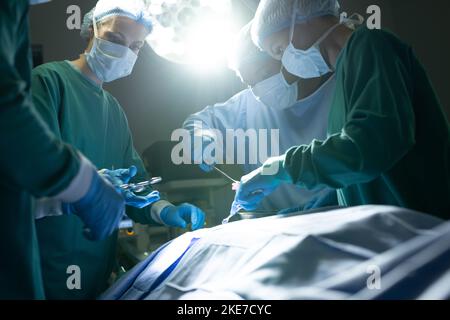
(34, 163)
(388, 137)
(70, 98)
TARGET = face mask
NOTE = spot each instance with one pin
(110, 61)
(276, 93)
(308, 63)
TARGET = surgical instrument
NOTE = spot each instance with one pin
(225, 175)
(140, 186)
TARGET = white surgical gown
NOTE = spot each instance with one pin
(300, 124)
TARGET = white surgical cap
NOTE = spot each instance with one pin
(275, 15)
(244, 51)
(133, 9)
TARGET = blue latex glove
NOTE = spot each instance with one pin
(207, 162)
(258, 184)
(123, 176)
(120, 176)
(101, 209)
(180, 216)
(140, 202)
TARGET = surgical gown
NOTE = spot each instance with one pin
(32, 161)
(83, 114)
(304, 121)
(389, 140)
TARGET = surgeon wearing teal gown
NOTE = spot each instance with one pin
(33, 163)
(70, 98)
(388, 138)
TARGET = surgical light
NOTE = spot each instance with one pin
(193, 32)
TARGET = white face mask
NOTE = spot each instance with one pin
(276, 93)
(110, 61)
(309, 63)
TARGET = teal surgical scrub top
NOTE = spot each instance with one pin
(83, 114)
(388, 137)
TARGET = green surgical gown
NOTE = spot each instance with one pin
(388, 137)
(88, 117)
(32, 161)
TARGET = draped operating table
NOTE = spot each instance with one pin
(368, 252)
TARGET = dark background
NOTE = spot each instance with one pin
(159, 95)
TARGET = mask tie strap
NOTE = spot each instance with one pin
(355, 19)
(294, 14)
(95, 27)
(326, 34)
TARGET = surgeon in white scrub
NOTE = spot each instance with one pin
(298, 110)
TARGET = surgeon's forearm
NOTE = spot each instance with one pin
(341, 160)
(199, 127)
(142, 216)
(149, 215)
(32, 157)
(203, 117)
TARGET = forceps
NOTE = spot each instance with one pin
(140, 186)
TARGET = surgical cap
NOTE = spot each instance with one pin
(133, 9)
(244, 51)
(87, 24)
(275, 15)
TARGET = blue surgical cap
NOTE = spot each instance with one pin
(133, 9)
(275, 15)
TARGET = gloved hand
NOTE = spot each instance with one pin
(123, 176)
(199, 156)
(101, 208)
(140, 202)
(120, 176)
(182, 215)
(257, 185)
